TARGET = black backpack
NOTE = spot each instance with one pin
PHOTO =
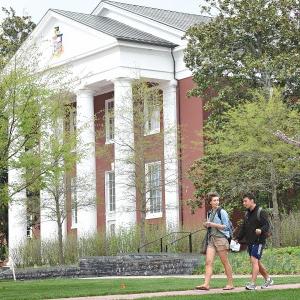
(230, 224)
(258, 213)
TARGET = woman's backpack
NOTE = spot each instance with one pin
(230, 224)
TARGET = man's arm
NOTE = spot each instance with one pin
(264, 221)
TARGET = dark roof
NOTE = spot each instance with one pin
(178, 20)
(114, 28)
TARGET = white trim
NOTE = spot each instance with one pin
(153, 215)
(109, 213)
(108, 133)
(110, 216)
(150, 216)
(132, 19)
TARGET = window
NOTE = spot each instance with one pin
(112, 228)
(154, 190)
(152, 118)
(110, 191)
(74, 202)
(29, 230)
(109, 121)
(72, 119)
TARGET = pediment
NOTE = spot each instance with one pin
(60, 39)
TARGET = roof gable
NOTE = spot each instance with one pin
(114, 28)
(178, 20)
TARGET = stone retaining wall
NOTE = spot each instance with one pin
(120, 265)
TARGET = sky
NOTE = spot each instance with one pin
(37, 8)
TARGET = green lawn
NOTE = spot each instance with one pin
(293, 294)
(59, 288)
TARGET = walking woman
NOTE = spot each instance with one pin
(218, 227)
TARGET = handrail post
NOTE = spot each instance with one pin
(190, 243)
(161, 245)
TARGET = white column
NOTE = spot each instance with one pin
(86, 167)
(17, 214)
(170, 155)
(124, 155)
(49, 230)
(48, 216)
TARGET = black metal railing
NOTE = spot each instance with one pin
(190, 234)
(161, 240)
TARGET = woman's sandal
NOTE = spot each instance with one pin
(228, 288)
(202, 288)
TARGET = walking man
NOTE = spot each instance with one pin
(254, 231)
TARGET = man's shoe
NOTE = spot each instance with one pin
(250, 287)
(269, 282)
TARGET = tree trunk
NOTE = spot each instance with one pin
(276, 218)
(60, 245)
(59, 230)
(142, 230)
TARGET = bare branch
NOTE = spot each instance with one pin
(286, 139)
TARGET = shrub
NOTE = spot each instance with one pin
(276, 260)
(290, 229)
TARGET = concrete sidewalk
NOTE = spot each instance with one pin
(183, 293)
(201, 276)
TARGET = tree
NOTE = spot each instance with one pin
(247, 45)
(33, 101)
(246, 156)
(146, 181)
(14, 30)
(60, 150)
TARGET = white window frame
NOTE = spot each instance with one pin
(74, 208)
(29, 229)
(149, 214)
(108, 195)
(72, 120)
(109, 136)
(110, 215)
(149, 123)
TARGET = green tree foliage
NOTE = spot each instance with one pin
(247, 45)
(245, 155)
(13, 32)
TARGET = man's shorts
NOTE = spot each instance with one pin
(219, 243)
(255, 250)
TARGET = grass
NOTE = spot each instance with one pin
(292, 294)
(63, 288)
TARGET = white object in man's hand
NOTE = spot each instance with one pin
(258, 231)
(235, 246)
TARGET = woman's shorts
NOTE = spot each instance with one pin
(219, 243)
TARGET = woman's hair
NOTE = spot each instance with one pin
(210, 195)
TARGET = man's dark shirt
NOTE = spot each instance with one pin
(251, 222)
